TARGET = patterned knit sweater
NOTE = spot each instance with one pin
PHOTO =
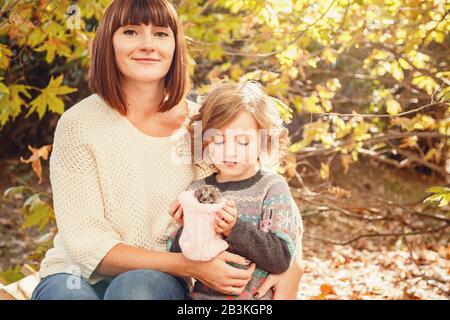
(111, 184)
(268, 230)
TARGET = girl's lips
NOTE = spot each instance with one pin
(230, 163)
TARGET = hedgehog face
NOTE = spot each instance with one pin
(207, 194)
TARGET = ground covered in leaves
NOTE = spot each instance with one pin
(371, 266)
(349, 209)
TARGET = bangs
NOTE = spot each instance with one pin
(137, 12)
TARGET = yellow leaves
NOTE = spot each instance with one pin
(419, 60)
(346, 160)
(409, 142)
(423, 122)
(425, 82)
(11, 101)
(345, 36)
(313, 131)
(288, 166)
(288, 55)
(216, 53)
(397, 71)
(35, 159)
(36, 37)
(440, 197)
(341, 128)
(283, 109)
(324, 171)
(404, 64)
(419, 122)
(49, 97)
(402, 122)
(236, 72)
(329, 55)
(433, 154)
(361, 131)
(393, 107)
(5, 54)
(309, 104)
(339, 192)
(54, 46)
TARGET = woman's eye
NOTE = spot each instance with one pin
(218, 142)
(162, 34)
(129, 32)
(243, 143)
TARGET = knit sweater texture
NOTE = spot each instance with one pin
(111, 184)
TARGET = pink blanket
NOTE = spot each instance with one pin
(199, 241)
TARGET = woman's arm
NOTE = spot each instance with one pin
(216, 273)
(285, 285)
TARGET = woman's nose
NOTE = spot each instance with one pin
(148, 42)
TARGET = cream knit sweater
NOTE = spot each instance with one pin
(111, 184)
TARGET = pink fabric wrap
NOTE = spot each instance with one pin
(199, 241)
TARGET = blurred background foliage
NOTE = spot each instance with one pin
(356, 80)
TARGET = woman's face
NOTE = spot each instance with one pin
(144, 52)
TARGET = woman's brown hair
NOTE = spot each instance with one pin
(105, 77)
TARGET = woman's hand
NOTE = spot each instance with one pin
(285, 285)
(176, 211)
(221, 277)
(225, 219)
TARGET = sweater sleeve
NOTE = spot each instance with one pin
(273, 244)
(77, 198)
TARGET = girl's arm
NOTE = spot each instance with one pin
(286, 284)
(266, 249)
(271, 245)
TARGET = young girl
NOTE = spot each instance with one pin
(239, 125)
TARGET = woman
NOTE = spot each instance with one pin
(112, 176)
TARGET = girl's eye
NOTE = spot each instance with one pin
(218, 142)
(243, 140)
(162, 34)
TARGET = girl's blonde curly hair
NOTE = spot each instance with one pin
(225, 102)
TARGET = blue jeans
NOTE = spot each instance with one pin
(144, 284)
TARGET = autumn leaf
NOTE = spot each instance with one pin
(409, 142)
(5, 54)
(49, 97)
(35, 159)
(325, 289)
(393, 107)
(324, 171)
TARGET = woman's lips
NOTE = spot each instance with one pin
(146, 60)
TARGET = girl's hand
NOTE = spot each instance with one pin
(285, 284)
(225, 219)
(176, 211)
(219, 276)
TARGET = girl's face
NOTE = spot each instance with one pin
(234, 148)
(144, 52)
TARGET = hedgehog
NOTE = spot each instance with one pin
(207, 194)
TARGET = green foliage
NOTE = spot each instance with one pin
(10, 275)
(37, 213)
(440, 197)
